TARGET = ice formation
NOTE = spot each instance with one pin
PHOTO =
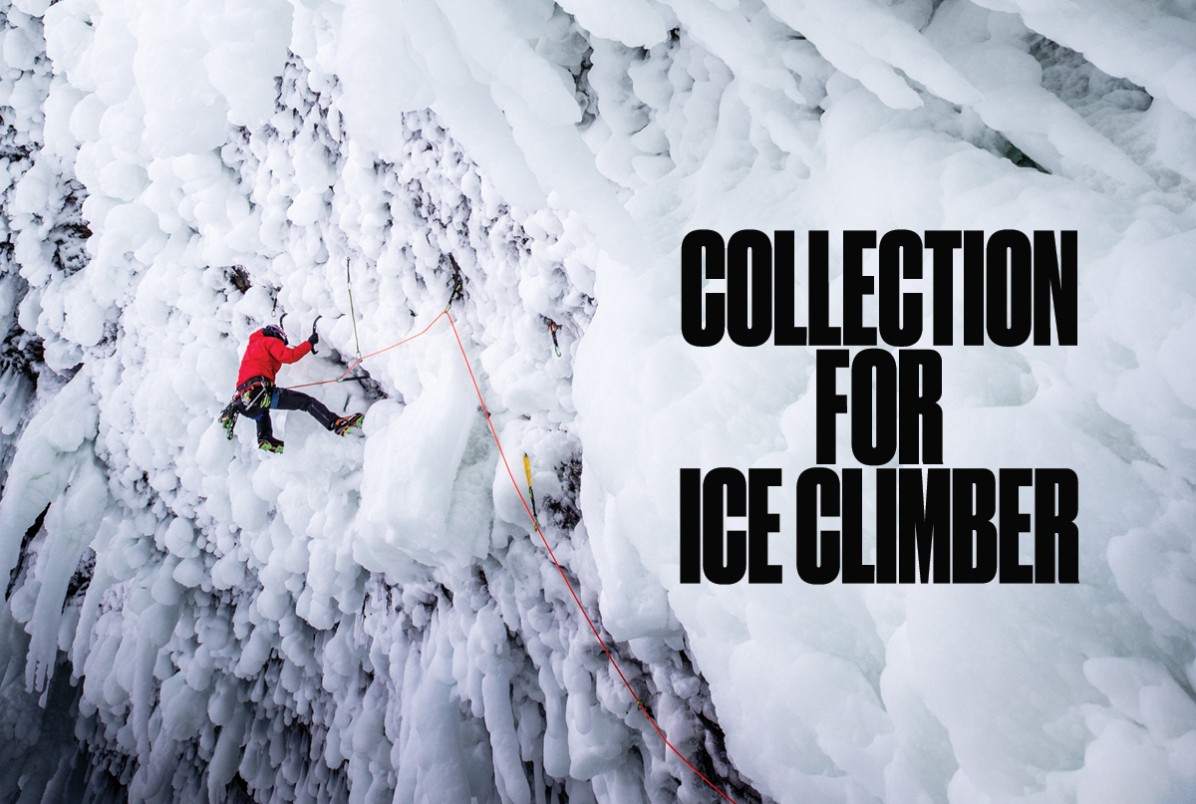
(373, 619)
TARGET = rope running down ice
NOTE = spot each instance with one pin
(494, 433)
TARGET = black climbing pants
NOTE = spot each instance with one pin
(286, 399)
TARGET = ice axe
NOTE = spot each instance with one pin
(313, 332)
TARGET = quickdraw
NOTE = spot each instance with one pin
(453, 295)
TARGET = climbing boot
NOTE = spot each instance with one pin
(346, 423)
(269, 444)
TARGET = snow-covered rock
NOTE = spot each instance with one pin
(376, 617)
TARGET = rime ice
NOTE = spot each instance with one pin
(372, 621)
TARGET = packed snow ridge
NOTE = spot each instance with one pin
(187, 618)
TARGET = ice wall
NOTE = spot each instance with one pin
(186, 618)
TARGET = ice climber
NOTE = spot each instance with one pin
(256, 393)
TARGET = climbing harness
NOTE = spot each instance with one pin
(255, 393)
(535, 523)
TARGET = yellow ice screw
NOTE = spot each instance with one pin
(527, 470)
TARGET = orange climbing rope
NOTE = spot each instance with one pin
(535, 524)
(359, 360)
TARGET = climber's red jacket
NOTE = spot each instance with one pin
(265, 355)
